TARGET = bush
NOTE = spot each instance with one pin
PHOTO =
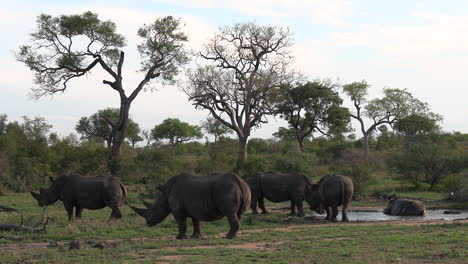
(359, 167)
(254, 165)
(457, 186)
(295, 163)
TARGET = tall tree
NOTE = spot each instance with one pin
(176, 131)
(3, 123)
(396, 104)
(214, 127)
(99, 126)
(245, 63)
(70, 46)
(312, 107)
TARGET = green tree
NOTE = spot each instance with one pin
(175, 131)
(245, 64)
(431, 159)
(71, 46)
(99, 126)
(214, 127)
(312, 107)
(3, 123)
(395, 105)
(285, 134)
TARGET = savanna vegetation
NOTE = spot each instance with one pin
(245, 80)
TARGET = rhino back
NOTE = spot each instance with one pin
(335, 190)
(278, 187)
(93, 192)
(405, 207)
(206, 198)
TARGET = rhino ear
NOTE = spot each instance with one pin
(51, 179)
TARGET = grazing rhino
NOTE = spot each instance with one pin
(202, 198)
(278, 187)
(329, 193)
(405, 207)
(84, 192)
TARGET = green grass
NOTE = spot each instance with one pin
(307, 242)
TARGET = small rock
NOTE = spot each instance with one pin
(74, 245)
(451, 212)
(105, 244)
(53, 245)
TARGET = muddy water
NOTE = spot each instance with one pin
(378, 215)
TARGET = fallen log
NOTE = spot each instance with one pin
(7, 209)
(21, 227)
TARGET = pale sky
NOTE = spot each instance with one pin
(418, 45)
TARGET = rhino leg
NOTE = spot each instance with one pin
(196, 229)
(253, 204)
(261, 204)
(334, 210)
(293, 208)
(182, 225)
(78, 211)
(234, 223)
(344, 213)
(300, 208)
(69, 208)
(115, 214)
(327, 209)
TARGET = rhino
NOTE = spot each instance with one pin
(329, 193)
(405, 207)
(278, 187)
(84, 192)
(202, 198)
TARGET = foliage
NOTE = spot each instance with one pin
(71, 46)
(395, 105)
(312, 107)
(214, 127)
(429, 160)
(285, 134)
(99, 126)
(176, 131)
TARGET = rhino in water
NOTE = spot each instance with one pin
(329, 193)
(405, 207)
(278, 187)
(84, 192)
(202, 198)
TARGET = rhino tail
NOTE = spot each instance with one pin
(246, 195)
(342, 187)
(124, 192)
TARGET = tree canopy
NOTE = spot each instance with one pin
(312, 107)
(176, 131)
(67, 47)
(245, 64)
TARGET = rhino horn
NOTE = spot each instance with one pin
(35, 195)
(139, 211)
(147, 205)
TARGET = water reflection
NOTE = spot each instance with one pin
(378, 215)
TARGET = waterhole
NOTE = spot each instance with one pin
(378, 215)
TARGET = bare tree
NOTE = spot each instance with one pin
(245, 64)
(70, 46)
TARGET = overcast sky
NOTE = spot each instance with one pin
(418, 45)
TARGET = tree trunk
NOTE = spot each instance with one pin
(301, 144)
(242, 157)
(365, 141)
(118, 137)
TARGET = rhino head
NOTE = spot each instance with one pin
(313, 198)
(156, 213)
(48, 196)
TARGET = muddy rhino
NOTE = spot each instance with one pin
(84, 192)
(278, 187)
(202, 198)
(329, 193)
(405, 207)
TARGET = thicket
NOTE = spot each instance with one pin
(30, 152)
